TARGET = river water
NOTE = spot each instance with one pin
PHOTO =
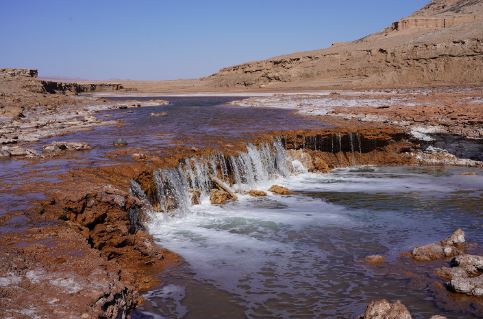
(297, 256)
(301, 256)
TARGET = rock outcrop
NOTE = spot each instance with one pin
(441, 44)
(76, 88)
(30, 73)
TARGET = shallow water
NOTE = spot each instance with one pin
(189, 121)
(300, 256)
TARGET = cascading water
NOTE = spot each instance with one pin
(255, 167)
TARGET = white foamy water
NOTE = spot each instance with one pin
(299, 255)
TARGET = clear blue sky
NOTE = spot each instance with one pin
(170, 39)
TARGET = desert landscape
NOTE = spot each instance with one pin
(344, 182)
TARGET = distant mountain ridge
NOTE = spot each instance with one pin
(440, 44)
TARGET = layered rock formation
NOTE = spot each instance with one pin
(440, 44)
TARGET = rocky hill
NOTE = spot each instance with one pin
(22, 89)
(440, 44)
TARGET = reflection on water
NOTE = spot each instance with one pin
(300, 256)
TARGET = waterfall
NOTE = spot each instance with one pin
(175, 187)
(359, 142)
(351, 139)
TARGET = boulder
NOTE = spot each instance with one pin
(452, 246)
(280, 190)
(383, 309)
(257, 193)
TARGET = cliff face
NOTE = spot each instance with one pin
(437, 45)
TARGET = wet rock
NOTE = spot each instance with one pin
(375, 259)
(280, 190)
(120, 142)
(19, 151)
(452, 246)
(257, 193)
(219, 196)
(383, 309)
(58, 147)
(465, 275)
(195, 197)
(139, 156)
(303, 157)
(320, 165)
(4, 153)
(223, 186)
(111, 220)
(472, 286)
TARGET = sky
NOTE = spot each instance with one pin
(173, 39)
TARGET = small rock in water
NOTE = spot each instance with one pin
(139, 156)
(219, 197)
(277, 189)
(468, 174)
(452, 246)
(383, 309)
(465, 276)
(158, 114)
(57, 147)
(120, 142)
(256, 193)
(375, 259)
(196, 197)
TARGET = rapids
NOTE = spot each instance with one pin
(301, 256)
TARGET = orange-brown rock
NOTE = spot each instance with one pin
(320, 165)
(375, 259)
(257, 193)
(280, 190)
(219, 197)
